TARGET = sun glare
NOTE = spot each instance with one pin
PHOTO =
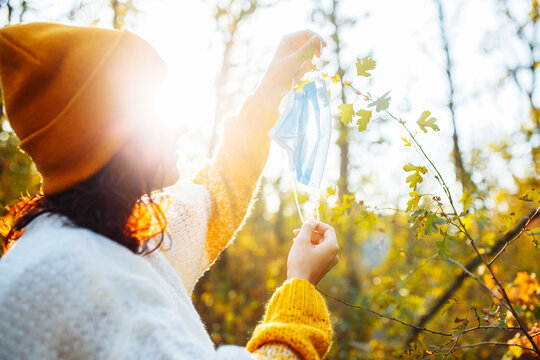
(182, 35)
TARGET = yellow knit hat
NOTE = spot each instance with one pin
(74, 94)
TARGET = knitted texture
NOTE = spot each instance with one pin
(69, 293)
(296, 315)
(187, 229)
(275, 351)
(232, 177)
(74, 94)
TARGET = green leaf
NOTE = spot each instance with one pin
(364, 117)
(346, 113)
(439, 220)
(443, 249)
(364, 65)
(424, 122)
(382, 103)
(431, 223)
(446, 236)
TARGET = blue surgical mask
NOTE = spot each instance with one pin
(304, 130)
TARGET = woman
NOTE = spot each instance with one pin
(99, 266)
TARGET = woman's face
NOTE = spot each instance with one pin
(152, 152)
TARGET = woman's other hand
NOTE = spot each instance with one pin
(314, 252)
(290, 62)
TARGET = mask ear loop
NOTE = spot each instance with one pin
(315, 192)
(292, 177)
(317, 195)
(296, 199)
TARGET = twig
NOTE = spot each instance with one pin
(384, 316)
(442, 346)
(510, 328)
(523, 227)
(452, 348)
(462, 227)
(478, 280)
(471, 266)
(493, 343)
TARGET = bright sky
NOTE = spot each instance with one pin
(403, 36)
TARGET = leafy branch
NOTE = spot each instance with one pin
(381, 104)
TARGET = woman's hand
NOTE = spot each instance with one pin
(290, 62)
(313, 253)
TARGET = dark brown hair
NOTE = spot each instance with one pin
(108, 203)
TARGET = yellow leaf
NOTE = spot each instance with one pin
(346, 113)
(424, 122)
(466, 199)
(412, 204)
(364, 65)
(365, 116)
(335, 79)
(529, 195)
(407, 142)
(331, 190)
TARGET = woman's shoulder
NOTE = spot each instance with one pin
(51, 236)
(57, 253)
(61, 291)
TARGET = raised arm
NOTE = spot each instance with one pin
(232, 177)
(220, 199)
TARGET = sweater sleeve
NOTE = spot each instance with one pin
(232, 176)
(296, 316)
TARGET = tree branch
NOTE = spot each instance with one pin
(471, 266)
(497, 343)
(461, 174)
(419, 328)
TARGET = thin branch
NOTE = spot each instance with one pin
(497, 343)
(420, 328)
(461, 174)
(517, 235)
(442, 346)
(452, 348)
(510, 328)
(478, 280)
(470, 266)
(523, 326)
(461, 227)
(441, 181)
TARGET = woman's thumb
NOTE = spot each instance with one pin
(307, 229)
(308, 49)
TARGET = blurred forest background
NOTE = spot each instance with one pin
(434, 262)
